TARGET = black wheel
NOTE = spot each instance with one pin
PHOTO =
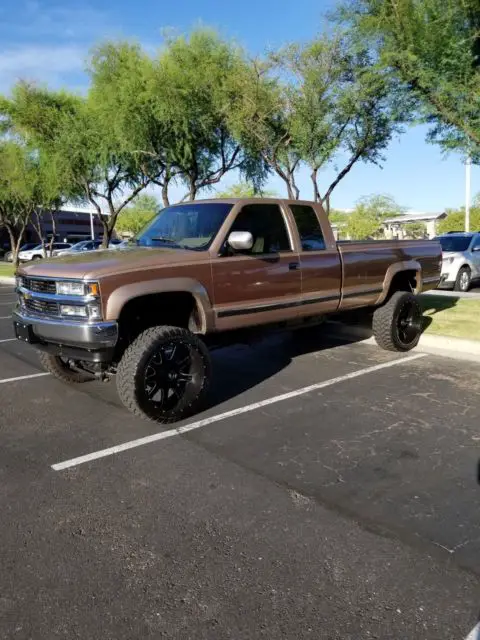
(397, 325)
(464, 280)
(36, 257)
(164, 374)
(64, 369)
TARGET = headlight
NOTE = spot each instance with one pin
(449, 260)
(90, 311)
(73, 310)
(73, 288)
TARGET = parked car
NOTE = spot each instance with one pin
(460, 260)
(37, 252)
(198, 271)
(8, 257)
(83, 245)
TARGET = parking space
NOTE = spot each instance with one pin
(330, 490)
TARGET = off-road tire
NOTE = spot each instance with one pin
(462, 276)
(386, 319)
(61, 370)
(131, 374)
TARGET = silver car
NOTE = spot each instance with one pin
(460, 260)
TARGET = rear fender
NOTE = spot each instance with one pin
(398, 267)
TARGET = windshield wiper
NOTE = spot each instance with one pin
(162, 239)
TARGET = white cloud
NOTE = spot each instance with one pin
(45, 64)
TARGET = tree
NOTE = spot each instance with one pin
(368, 216)
(138, 214)
(244, 190)
(415, 230)
(70, 129)
(433, 48)
(343, 107)
(28, 181)
(455, 220)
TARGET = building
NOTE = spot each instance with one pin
(72, 224)
(396, 228)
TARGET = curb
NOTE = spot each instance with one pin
(456, 348)
(7, 280)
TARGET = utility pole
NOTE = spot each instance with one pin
(92, 228)
(468, 172)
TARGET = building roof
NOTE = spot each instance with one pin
(415, 216)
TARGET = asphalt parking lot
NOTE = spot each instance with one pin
(337, 498)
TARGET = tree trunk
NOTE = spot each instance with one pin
(316, 193)
(165, 198)
(15, 242)
(107, 231)
(54, 230)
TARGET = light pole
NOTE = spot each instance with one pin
(92, 228)
(468, 172)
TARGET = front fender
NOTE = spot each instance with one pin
(119, 297)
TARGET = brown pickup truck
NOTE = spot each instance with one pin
(200, 270)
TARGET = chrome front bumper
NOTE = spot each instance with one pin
(94, 336)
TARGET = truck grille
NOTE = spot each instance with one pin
(44, 307)
(39, 286)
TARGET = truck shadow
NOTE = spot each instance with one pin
(243, 366)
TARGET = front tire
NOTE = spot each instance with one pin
(62, 369)
(397, 325)
(164, 374)
(464, 280)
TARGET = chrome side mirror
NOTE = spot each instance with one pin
(240, 240)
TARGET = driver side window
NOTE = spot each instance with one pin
(267, 225)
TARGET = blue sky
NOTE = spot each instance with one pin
(48, 41)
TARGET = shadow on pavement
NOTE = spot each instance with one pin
(241, 367)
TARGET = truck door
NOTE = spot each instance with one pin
(263, 284)
(320, 263)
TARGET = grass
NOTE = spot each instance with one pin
(6, 269)
(452, 317)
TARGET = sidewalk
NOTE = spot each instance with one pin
(437, 345)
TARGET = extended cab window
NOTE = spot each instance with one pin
(311, 235)
(267, 226)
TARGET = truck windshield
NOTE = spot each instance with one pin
(186, 226)
(455, 243)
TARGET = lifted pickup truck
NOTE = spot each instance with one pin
(200, 270)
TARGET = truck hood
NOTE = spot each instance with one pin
(93, 265)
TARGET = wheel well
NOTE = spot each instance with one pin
(404, 281)
(177, 309)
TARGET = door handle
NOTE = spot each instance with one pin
(293, 266)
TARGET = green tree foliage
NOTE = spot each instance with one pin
(28, 181)
(139, 213)
(245, 190)
(314, 104)
(173, 110)
(70, 129)
(370, 212)
(343, 107)
(415, 230)
(432, 47)
(455, 220)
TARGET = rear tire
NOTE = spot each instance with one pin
(164, 374)
(61, 369)
(464, 280)
(397, 325)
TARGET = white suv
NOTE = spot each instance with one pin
(37, 252)
(460, 260)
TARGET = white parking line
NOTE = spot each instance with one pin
(5, 317)
(31, 375)
(163, 435)
(8, 340)
(474, 633)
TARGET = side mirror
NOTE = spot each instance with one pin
(240, 240)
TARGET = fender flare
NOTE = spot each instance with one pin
(398, 267)
(119, 297)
